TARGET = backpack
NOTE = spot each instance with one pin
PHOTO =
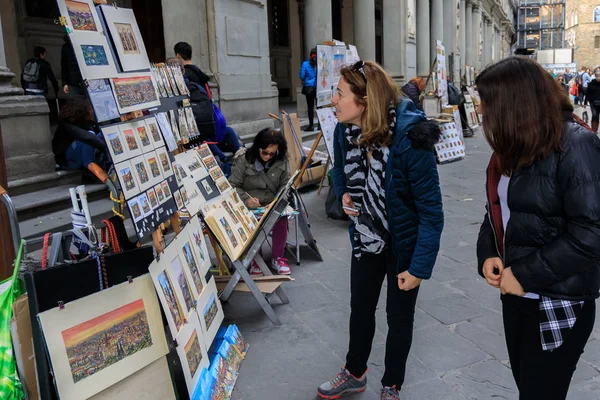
(220, 122)
(31, 71)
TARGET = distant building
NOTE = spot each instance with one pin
(582, 21)
(541, 24)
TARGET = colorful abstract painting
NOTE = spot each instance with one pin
(94, 55)
(81, 16)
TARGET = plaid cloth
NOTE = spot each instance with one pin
(556, 318)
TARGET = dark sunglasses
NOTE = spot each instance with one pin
(359, 66)
(268, 153)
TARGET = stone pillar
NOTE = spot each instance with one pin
(485, 39)
(490, 43)
(477, 37)
(317, 23)
(469, 33)
(450, 26)
(463, 36)
(424, 59)
(364, 28)
(437, 25)
(394, 40)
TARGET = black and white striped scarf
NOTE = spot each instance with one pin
(366, 186)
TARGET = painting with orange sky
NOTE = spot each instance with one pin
(105, 340)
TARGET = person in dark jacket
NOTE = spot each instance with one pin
(385, 176)
(539, 242)
(593, 95)
(75, 144)
(183, 51)
(413, 90)
(45, 74)
(71, 76)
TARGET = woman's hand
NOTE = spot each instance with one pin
(509, 284)
(406, 281)
(66, 89)
(252, 202)
(347, 202)
(492, 271)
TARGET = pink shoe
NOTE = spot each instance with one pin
(281, 266)
(255, 269)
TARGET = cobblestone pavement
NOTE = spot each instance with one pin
(458, 349)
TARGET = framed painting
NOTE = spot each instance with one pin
(154, 168)
(178, 199)
(117, 147)
(152, 198)
(101, 339)
(102, 99)
(129, 45)
(141, 171)
(154, 132)
(175, 268)
(93, 56)
(160, 195)
(196, 236)
(135, 209)
(191, 263)
(143, 135)
(164, 161)
(126, 175)
(192, 352)
(166, 189)
(131, 139)
(145, 204)
(210, 312)
(166, 293)
(81, 15)
(135, 92)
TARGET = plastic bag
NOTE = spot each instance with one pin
(10, 384)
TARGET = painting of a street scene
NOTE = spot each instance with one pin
(210, 311)
(80, 15)
(171, 298)
(191, 262)
(193, 353)
(105, 340)
(183, 282)
(134, 91)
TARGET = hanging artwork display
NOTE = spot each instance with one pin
(441, 73)
(135, 92)
(210, 312)
(102, 99)
(93, 56)
(101, 339)
(129, 45)
(192, 352)
(328, 122)
(80, 15)
(324, 75)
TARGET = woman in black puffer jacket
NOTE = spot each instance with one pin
(540, 240)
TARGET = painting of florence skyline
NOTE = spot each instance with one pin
(107, 339)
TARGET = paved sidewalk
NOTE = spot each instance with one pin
(458, 350)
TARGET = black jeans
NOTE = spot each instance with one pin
(542, 374)
(367, 274)
(310, 103)
(595, 112)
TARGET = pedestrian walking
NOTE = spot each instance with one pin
(561, 82)
(586, 78)
(36, 74)
(593, 94)
(386, 177)
(308, 76)
(540, 240)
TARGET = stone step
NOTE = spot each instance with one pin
(44, 181)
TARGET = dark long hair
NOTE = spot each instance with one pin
(523, 110)
(264, 139)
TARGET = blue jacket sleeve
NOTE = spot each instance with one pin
(425, 186)
(337, 172)
(303, 72)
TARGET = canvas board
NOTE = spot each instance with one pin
(210, 312)
(102, 99)
(154, 131)
(93, 56)
(126, 35)
(81, 16)
(98, 340)
(192, 352)
(135, 92)
(191, 263)
(117, 146)
(132, 140)
(141, 171)
(165, 287)
(143, 135)
(126, 175)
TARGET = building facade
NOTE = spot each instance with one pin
(541, 24)
(582, 20)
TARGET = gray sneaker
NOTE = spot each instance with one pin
(389, 393)
(344, 383)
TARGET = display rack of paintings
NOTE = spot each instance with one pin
(451, 147)
(101, 339)
(135, 91)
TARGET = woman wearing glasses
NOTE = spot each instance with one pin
(385, 175)
(257, 174)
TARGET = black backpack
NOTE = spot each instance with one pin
(31, 71)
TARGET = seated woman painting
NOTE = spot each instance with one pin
(257, 174)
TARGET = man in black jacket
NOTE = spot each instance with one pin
(183, 51)
(71, 76)
(36, 74)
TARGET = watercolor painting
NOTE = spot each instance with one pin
(130, 139)
(136, 211)
(94, 55)
(155, 132)
(142, 172)
(127, 176)
(154, 167)
(164, 161)
(230, 212)
(143, 136)
(210, 162)
(210, 311)
(134, 91)
(81, 16)
(229, 232)
(152, 198)
(127, 37)
(216, 173)
(182, 282)
(166, 189)
(193, 353)
(172, 301)
(198, 239)
(115, 143)
(105, 340)
(191, 262)
(204, 151)
(159, 193)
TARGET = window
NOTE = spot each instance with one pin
(597, 42)
(597, 14)
(280, 24)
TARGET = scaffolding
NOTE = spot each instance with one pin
(541, 24)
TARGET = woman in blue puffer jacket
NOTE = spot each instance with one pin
(385, 175)
(308, 76)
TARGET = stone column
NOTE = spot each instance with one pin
(364, 28)
(450, 26)
(437, 25)
(485, 38)
(317, 23)
(477, 37)
(469, 33)
(463, 36)
(423, 38)
(491, 47)
(394, 40)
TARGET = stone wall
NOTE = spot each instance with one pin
(585, 29)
